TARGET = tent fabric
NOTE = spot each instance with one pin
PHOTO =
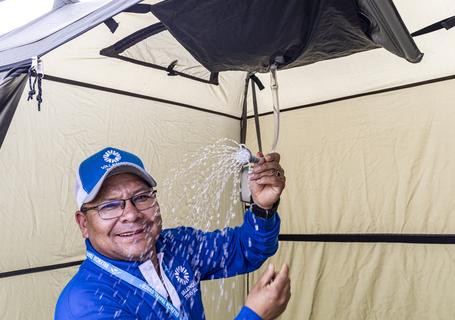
(367, 281)
(168, 55)
(344, 151)
(317, 82)
(132, 77)
(380, 164)
(250, 36)
(11, 87)
(32, 296)
(63, 24)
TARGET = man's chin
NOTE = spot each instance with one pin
(139, 254)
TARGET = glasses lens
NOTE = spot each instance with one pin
(111, 209)
(145, 201)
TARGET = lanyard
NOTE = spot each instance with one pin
(134, 281)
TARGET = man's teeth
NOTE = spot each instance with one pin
(127, 234)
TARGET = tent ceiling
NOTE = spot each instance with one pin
(80, 60)
(375, 69)
(364, 72)
(56, 20)
(55, 28)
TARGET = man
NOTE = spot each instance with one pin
(136, 270)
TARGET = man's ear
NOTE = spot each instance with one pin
(81, 220)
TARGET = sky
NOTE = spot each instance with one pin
(15, 13)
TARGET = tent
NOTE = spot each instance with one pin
(366, 140)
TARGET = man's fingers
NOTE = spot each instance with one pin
(272, 157)
(268, 173)
(267, 166)
(268, 275)
(273, 181)
(282, 278)
(284, 270)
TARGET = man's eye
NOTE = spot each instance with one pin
(110, 206)
(141, 198)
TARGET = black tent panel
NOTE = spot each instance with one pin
(250, 35)
(11, 87)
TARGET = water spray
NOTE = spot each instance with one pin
(244, 156)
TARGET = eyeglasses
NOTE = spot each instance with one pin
(114, 208)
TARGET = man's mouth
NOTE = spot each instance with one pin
(130, 233)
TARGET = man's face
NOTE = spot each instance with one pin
(133, 235)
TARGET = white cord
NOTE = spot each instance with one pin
(276, 104)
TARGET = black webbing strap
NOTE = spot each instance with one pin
(371, 238)
(256, 114)
(257, 81)
(243, 119)
(39, 269)
(446, 23)
(111, 24)
(139, 8)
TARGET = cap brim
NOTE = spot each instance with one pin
(117, 169)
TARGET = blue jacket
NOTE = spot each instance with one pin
(94, 293)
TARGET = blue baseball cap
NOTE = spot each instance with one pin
(110, 161)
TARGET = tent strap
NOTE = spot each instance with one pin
(370, 238)
(39, 269)
(243, 122)
(243, 118)
(111, 24)
(139, 8)
(256, 82)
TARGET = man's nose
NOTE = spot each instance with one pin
(130, 212)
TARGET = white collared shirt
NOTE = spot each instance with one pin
(153, 279)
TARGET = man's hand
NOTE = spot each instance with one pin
(270, 295)
(267, 180)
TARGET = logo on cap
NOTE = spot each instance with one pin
(112, 156)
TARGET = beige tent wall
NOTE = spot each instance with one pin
(80, 60)
(32, 296)
(368, 281)
(37, 166)
(382, 163)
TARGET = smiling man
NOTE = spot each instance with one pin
(136, 270)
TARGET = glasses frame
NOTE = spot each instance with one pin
(151, 193)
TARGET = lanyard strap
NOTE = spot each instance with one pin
(134, 281)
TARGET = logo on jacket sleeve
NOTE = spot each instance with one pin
(182, 275)
(111, 156)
